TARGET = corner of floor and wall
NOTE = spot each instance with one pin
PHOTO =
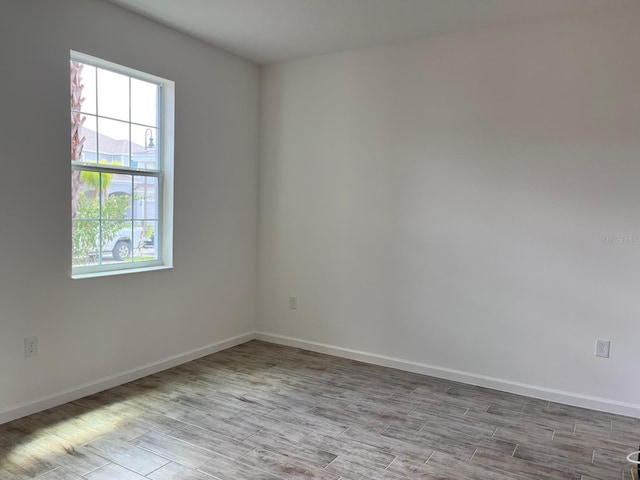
(464, 207)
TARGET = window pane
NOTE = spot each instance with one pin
(144, 102)
(83, 87)
(85, 242)
(88, 198)
(113, 95)
(90, 145)
(116, 241)
(146, 247)
(145, 205)
(113, 142)
(116, 204)
(144, 153)
(88, 82)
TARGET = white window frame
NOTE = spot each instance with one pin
(164, 173)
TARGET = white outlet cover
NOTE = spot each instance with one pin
(602, 348)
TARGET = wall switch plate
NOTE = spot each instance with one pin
(602, 348)
(293, 303)
(30, 347)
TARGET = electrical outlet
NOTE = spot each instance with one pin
(602, 348)
(30, 347)
(293, 303)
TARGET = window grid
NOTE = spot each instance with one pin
(138, 215)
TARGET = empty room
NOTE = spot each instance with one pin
(320, 239)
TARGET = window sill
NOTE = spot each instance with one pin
(123, 271)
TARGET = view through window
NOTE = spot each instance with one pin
(117, 167)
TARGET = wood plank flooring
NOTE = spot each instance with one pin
(262, 411)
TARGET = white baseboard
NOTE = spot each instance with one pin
(602, 404)
(27, 408)
(559, 396)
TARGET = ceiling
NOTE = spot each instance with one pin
(267, 31)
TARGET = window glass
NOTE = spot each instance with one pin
(116, 167)
(113, 95)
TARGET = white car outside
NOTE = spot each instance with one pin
(121, 246)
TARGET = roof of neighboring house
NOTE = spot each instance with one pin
(110, 145)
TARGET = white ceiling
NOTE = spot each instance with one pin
(267, 31)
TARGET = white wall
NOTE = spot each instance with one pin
(93, 328)
(444, 202)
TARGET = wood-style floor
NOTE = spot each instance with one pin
(261, 411)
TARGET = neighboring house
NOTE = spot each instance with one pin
(116, 151)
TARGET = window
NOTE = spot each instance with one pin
(121, 168)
